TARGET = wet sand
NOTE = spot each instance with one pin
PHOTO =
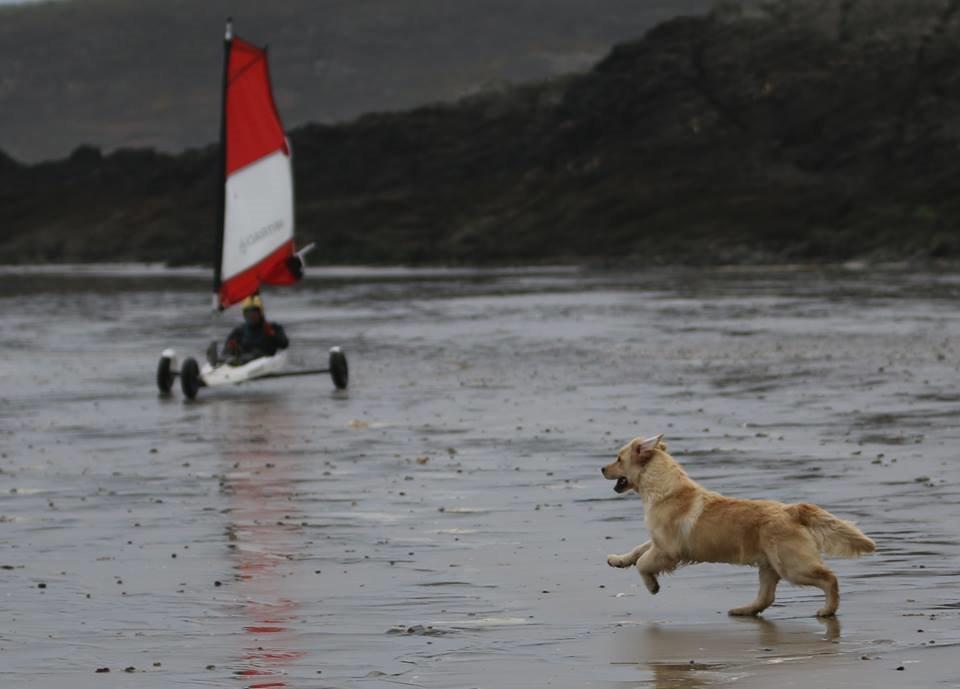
(443, 523)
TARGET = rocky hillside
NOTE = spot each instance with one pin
(711, 140)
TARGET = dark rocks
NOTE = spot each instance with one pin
(418, 630)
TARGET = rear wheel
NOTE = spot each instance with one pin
(165, 374)
(190, 378)
(338, 368)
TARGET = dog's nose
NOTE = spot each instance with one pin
(603, 471)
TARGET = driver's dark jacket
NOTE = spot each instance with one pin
(263, 339)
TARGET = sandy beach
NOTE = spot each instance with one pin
(443, 523)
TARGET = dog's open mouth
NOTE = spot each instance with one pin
(621, 484)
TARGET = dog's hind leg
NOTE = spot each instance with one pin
(629, 559)
(825, 580)
(798, 562)
(765, 597)
(652, 563)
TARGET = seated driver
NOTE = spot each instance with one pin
(256, 337)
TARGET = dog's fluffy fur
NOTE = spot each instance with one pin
(688, 524)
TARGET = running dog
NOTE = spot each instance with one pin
(688, 523)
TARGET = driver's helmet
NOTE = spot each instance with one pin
(252, 302)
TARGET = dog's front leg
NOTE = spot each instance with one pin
(629, 559)
(652, 563)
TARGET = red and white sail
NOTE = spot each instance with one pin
(257, 232)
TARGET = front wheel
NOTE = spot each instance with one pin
(338, 368)
(165, 374)
(190, 378)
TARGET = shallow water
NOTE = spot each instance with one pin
(443, 523)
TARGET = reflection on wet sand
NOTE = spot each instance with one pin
(773, 633)
(688, 657)
(261, 535)
(679, 676)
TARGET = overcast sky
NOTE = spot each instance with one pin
(134, 73)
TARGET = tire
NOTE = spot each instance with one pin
(190, 378)
(338, 368)
(165, 375)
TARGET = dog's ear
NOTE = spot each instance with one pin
(646, 447)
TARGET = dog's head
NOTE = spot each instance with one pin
(632, 461)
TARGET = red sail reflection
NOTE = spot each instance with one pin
(264, 530)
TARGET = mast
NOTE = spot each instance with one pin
(222, 193)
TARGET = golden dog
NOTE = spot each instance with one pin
(688, 523)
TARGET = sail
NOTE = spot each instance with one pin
(257, 245)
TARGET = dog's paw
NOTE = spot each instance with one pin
(653, 586)
(746, 611)
(825, 613)
(617, 561)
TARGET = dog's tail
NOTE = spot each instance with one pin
(833, 536)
